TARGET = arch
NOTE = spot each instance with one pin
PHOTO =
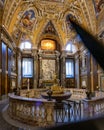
(74, 15)
(50, 36)
(71, 15)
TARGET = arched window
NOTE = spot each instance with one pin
(25, 45)
(70, 47)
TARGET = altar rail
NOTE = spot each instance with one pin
(85, 107)
(94, 106)
(38, 112)
(36, 93)
(77, 93)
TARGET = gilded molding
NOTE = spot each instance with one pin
(54, 11)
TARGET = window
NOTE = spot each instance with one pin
(27, 67)
(71, 48)
(25, 45)
(69, 68)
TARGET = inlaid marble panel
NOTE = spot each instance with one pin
(48, 69)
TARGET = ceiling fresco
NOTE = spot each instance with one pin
(28, 19)
(37, 19)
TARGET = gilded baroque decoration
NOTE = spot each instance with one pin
(55, 11)
(37, 37)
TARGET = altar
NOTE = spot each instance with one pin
(56, 91)
(57, 97)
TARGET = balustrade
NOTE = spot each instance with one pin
(95, 106)
(38, 112)
(41, 112)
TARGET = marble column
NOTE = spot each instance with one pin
(18, 67)
(57, 66)
(35, 55)
(40, 63)
(63, 69)
(77, 71)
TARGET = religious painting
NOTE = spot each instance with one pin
(48, 45)
(50, 28)
(48, 69)
(102, 82)
(28, 19)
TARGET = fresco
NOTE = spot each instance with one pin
(28, 19)
(48, 69)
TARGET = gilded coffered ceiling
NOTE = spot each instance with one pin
(38, 19)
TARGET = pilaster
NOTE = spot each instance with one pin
(35, 57)
(18, 66)
(63, 68)
(77, 70)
